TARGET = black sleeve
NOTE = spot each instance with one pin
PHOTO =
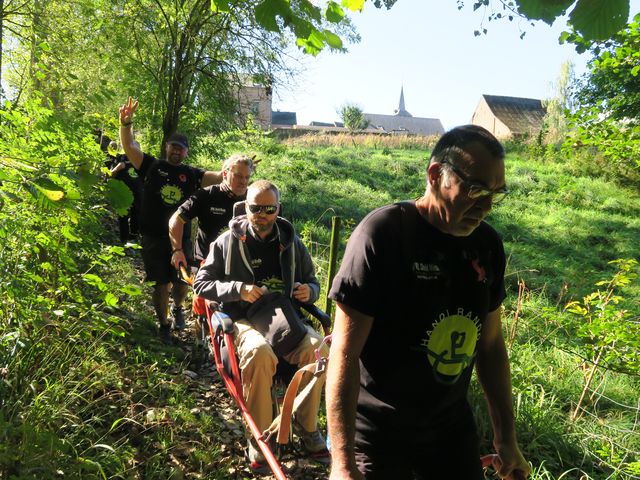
(360, 281)
(147, 161)
(497, 292)
(190, 209)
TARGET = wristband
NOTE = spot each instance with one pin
(175, 250)
(126, 124)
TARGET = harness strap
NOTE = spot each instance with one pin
(292, 400)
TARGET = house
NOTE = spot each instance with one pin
(279, 118)
(509, 117)
(403, 122)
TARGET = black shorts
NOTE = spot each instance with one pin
(450, 452)
(156, 256)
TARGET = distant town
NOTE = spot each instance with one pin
(505, 117)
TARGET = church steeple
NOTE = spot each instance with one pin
(401, 111)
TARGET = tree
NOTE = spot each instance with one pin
(612, 85)
(607, 121)
(556, 125)
(352, 117)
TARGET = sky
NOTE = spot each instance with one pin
(428, 48)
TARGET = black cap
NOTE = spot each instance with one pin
(179, 139)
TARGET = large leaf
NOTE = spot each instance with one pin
(545, 10)
(220, 6)
(599, 19)
(119, 196)
(332, 39)
(267, 11)
(353, 5)
(334, 12)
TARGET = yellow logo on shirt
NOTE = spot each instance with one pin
(170, 194)
(451, 344)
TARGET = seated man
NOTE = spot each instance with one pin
(262, 250)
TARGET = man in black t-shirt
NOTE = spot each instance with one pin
(122, 169)
(213, 207)
(418, 296)
(166, 184)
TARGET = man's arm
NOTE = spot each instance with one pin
(492, 367)
(211, 178)
(350, 332)
(176, 229)
(130, 146)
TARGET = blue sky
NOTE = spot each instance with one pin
(428, 47)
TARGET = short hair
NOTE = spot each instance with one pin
(456, 139)
(239, 158)
(260, 186)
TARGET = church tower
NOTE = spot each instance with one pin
(401, 111)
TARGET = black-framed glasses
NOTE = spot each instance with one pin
(268, 209)
(477, 190)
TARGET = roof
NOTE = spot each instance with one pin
(284, 118)
(521, 115)
(397, 123)
(316, 123)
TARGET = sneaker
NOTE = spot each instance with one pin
(164, 332)
(313, 443)
(257, 462)
(178, 318)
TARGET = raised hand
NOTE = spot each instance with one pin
(127, 111)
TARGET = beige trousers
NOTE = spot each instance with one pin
(258, 366)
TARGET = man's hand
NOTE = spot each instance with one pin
(118, 168)
(301, 292)
(178, 258)
(127, 111)
(510, 463)
(250, 293)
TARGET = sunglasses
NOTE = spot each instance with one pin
(477, 190)
(268, 209)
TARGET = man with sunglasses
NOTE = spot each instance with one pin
(418, 295)
(261, 252)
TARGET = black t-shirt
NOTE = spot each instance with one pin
(265, 261)
(128, 174)
(428, 312)
(213, 207)
(165, 187)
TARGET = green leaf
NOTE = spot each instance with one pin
(267, 11)
(310, 9)
(119, 196)
(220, 6)
(545, 10)
(68, 234)
(132, 290)
(334, 12)
(95, 281)
(353, 5)
(599, 19)
(332, 39)
(110, 300)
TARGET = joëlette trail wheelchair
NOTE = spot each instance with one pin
(220, 336)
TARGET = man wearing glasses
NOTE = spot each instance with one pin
(261, 252)
(418, 298)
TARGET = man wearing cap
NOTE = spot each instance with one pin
(167, 183)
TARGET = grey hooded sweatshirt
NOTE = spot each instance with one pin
(228, 266)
